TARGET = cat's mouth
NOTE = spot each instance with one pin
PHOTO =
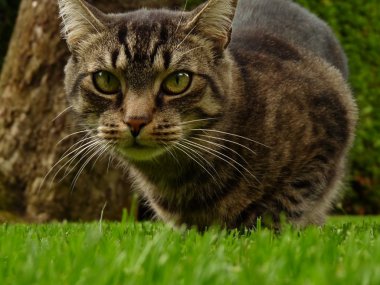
(138, 151)
(143, 147)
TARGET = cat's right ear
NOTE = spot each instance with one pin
(213, 20)
(79, 19)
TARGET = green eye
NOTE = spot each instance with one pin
(176, 83)
(105, 82)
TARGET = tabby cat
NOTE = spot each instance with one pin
(218, 120)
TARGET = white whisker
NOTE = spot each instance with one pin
(60, 114)
(63, 157)
(194, 121)
(105, 149)
(185, 38)
(73, 134)
(83, 140)
(230, 134)
(110, 161)
(167, 148)
(180, 20)
(190, 50)
(201, 157)
(230, 141)
(183, 148)
(81, 151)
(223, 157)
(222, 146)
(89, 22)
(83, 166)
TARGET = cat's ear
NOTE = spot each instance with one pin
(213, 20)
(79, 19)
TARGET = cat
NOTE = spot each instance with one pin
(234, 111)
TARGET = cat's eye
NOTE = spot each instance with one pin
(176, 83)
(105, 82)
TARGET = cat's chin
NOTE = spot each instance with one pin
(140, 153)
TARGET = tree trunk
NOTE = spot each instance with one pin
(31, 96)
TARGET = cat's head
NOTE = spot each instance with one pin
(144, 80)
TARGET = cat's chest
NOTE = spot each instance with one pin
(172, 187)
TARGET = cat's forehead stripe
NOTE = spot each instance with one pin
(115, 56)
(163, 38)
(122, 37)
(142, 43)
(167, 58)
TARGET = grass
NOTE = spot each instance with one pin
(345, 251)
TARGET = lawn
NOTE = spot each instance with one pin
(345, 251)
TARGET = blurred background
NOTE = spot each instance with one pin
(357, 25)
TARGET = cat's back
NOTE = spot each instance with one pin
(290, 23)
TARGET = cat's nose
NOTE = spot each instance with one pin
(136, 124)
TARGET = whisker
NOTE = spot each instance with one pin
(184, 39)
(223, 146)
(167, 148)
(73, 134)
(230, 141)
(86, 125)
(180, 20)
(105, 149)
(180, 148)
(110, 161)
(201, 157)
(83, 166)
(194, 121)
(226, 158)
(66, 153)
(60, 114)
(230, 134)
(89, 22)
(190, 50)
(63, 157)
(83, 150)
(84, 145)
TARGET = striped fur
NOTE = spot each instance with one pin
(263, 130)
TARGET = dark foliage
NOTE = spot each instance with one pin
(8, 13)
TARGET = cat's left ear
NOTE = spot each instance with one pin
(79, 20)
(214, 21)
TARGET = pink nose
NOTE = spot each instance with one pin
(136, 124)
